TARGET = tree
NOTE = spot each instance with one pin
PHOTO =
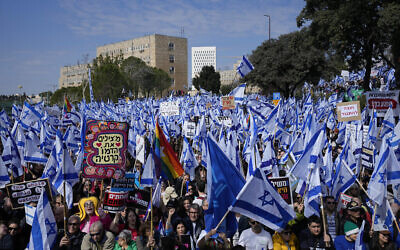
(162, 80)
(284, 64)
(208, 79)
(107, 78)
(350, 28)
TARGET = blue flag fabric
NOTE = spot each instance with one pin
(259, 200)
(224, 182)
(245, 67)
(44, 226)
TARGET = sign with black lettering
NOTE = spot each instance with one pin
(367, 155)
(114, 201)
(138, 199)
(27, 192)
(282, 185)
(123, 184)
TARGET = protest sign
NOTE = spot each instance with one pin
(276, 97)
(348, 111)
(381, 101)
(114, 201)
(367, 155)
(228, 102)
(138, 199)
(225, 120)
(282, 185)
(169, 108)
(105, 149)
(123, 184)
(189, 129)
(351, 130)
(26, 192)
(344, 199)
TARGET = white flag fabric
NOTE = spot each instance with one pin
(259, 201)
(44, 226)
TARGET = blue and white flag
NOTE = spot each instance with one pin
(269, 163)
(359, 241)
(245, 67)
(259, 201)
(386, 172)
(90, 87)
(313, 194)
(66, 173)
(29, 116)
(44, 226)
(224, 182)
(148, 178)
(32, 152)
(238, 93)
(188, 159)
(388, 124)
(29, 214)
(4, 178)
(343, 178)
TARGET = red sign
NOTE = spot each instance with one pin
(377, 103)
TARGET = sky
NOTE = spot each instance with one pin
(39, 37)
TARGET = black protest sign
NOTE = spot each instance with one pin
(138, 199)
(114, 201)
(26, 192)
(367, 155)
(282, 185)
(123, 184)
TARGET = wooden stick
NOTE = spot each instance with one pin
(223, 218)
(373, 217)
(323, 214)
(151, 213)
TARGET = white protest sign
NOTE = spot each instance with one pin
(348, 111)
(225, 120)
(351, 129)
(169, 108)
(381, 101)
(189, 129)
(140, 148)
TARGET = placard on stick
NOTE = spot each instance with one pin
(114, 201)
(105, 149)
(348, 111)
(228, 102)
(282, 185)
(26, 192)
(138, 199)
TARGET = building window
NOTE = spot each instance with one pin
(171, 69)
(171, 58)
(173, 81)
(171, 46)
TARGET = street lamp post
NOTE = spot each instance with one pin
(269, 26)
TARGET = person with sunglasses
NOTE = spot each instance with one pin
(72, 240)
(255, 237)
(6, 242)
(381, 239)
(331, 216)
(285, 239)
(98, 238)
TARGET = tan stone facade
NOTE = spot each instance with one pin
(165, 52)
(73, 76)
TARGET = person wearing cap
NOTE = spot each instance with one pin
(354, 213)
(381, 239)
(348, 240)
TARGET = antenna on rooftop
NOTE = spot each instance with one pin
(182, 31)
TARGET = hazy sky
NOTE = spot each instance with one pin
(39, 37)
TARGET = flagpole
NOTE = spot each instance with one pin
(64, 198)
(151, 213)
(323, 215)
(358, 182)
(373, 217)
(223, 218)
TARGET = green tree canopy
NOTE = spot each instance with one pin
(208, 79)
(284, 64)
(354, 29)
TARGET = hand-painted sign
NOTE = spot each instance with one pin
(282, 185)
(105, 149)
(114, 201)
(27, 192)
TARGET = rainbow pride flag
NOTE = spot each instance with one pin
(166, 161)
(67, 105)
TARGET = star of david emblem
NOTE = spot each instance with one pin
(382, 177)
(341, 177)
(189, 164)
(52, 226)
(26, 113)
(264, 200)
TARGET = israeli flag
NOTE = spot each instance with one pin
(238, 93)
(44, 226)
(245, 67)
(188, 159)
(4, 178)
(66, 174)
(259, 201)
(359, 241)
(148, 176)
(312, 199)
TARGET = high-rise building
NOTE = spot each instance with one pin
(203, 56)
(168, 53)
(73, 76)
(230, 76)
